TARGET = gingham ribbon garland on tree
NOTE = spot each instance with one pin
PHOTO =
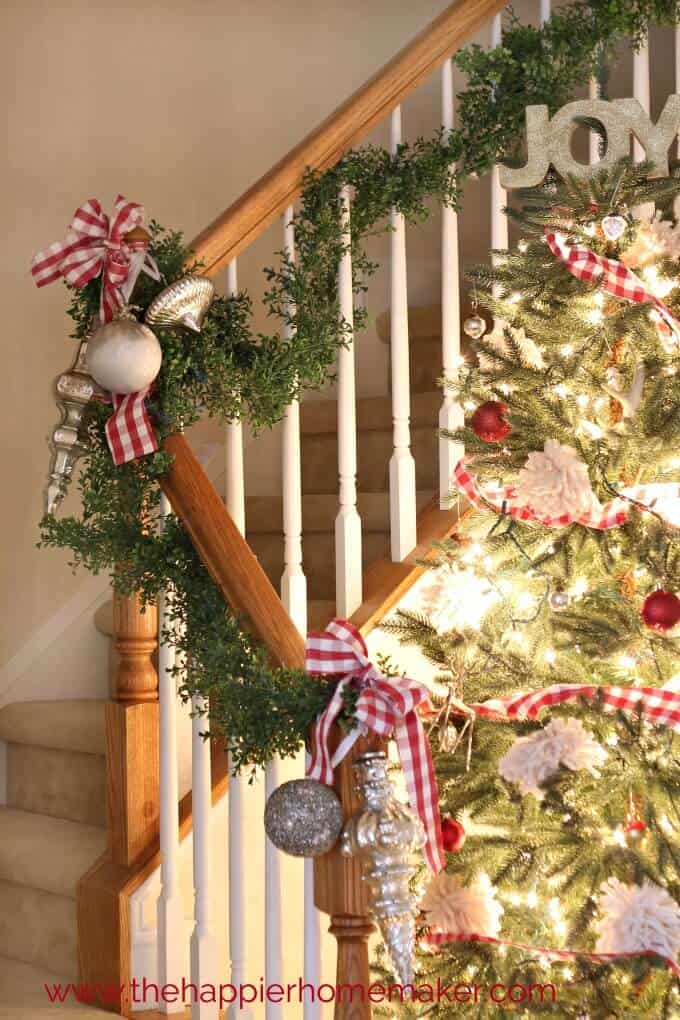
(96, 246)
(612, 275)
(387, 706)
(446, 938)
(601, 517)
(656, 705)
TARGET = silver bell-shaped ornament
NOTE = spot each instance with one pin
(474, 326)
(182, 303)
(124, 355)
(384, 836)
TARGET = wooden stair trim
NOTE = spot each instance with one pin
(351, 122)
(386, 582)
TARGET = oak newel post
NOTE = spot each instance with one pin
(132, 733)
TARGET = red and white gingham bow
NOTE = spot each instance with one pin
(95, 245)
(663, 498)
(386, 706)
(129, 432)
(616, 278)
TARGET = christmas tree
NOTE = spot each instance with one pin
(560, 816)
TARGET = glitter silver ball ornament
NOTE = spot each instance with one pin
(303, 818)
(124, 356)
(474, 326)
(559, 601)
(613, 227)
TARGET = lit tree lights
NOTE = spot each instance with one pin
(565, 570)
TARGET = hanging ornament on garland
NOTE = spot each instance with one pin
(661, 610)
(303, 818)
(384, 837)
(124, 355)
(183, 303)
(613, 226)
(489, 422)
(453, 835)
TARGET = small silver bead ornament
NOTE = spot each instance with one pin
(558, 601)
(303, 818)
(474, 326)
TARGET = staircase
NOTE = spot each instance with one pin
(52, 829)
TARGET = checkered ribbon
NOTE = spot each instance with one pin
(660, 498)
(95, 245)
(445, 938)
(129, 432)
(385, 706)
(614, 277)
(656, 705)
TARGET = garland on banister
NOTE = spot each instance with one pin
(229, 371)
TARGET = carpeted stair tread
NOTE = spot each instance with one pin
(23, 996)
(46, 853)
(76, 725)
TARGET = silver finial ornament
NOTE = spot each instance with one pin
(73, 390)
(384, 837)
(303, 818)
(182, 303)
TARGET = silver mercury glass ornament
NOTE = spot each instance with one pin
(303, 818)
(474, 326)
(73, 390)
(613, 226)
(559, 601)
(384, 837)
(182, 303)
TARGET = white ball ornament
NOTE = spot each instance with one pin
(124, 355)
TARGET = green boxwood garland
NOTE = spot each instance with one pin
(229, 372)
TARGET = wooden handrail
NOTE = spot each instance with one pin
(251, 214)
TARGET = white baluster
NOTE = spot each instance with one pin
(312, 948)
(641, 90)
(544, 11)
(348, 567)
(293, 581)
(450, 413)
(402, 465)
(593, 137)
(273, 915)
(169, 910)
(234, 495)
(235, 489)
(499, 221)
(677, 68)
(204, 969)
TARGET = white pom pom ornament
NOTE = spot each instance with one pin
(124, 356)
(555, 482)
(462, 910)
(563, 742)
(635, 918)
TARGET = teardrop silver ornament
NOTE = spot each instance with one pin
(474, 326)
(613, 227)
(384, 836)
(182, 303)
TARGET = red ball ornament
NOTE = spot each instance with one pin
(488, 422)
(661, 610)
(634, 831)
(453, 835)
